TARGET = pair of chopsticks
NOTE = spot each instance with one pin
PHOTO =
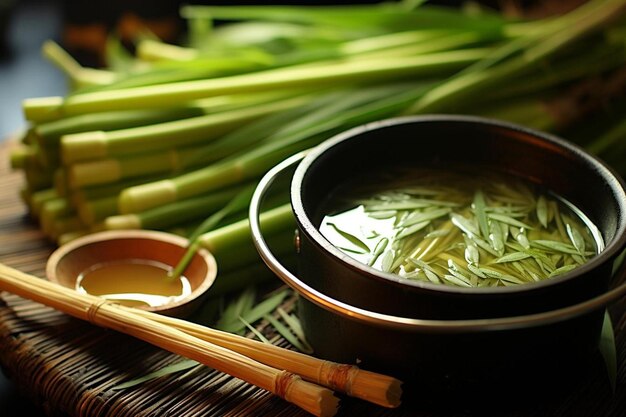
(303, 380)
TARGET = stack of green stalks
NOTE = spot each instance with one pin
(166, 137)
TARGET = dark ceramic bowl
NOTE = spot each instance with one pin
(438, 336)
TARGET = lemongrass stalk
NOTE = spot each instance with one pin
(390, 16)
(104, 172)
(39, 198)
(94, 211)
(79, 75)
(152, 50)
(171, 214)
(62, 225)
(237, 203)
(110, 171)
(310, 397)
(391, 40)
(99, 144)
(256, 161)
(59, 182)
(166, 72)
(93, 193)
(376, 388)
(464, 87)
(70, 236)
(21, 157)
(229, 237)
(439, 44)
(55, 208)
(253, 133)
(331, 73)
(236, 279)
(37, 177)
(231, 261)
(51, 132)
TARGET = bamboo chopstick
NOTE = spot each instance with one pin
(376, 388)
(313, 398)
(275, 369)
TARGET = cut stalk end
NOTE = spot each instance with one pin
(142, 197)
(94, 173)
(83, 146)
(123, 221)
(42, 109)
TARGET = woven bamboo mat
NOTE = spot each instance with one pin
(69, 368)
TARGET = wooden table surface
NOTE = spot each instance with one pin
(70, 368)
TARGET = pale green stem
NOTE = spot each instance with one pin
(331, 73)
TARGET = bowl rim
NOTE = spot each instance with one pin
(614, 181)
(110, 235)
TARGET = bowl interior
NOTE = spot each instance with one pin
(70, 260)
(443, 142)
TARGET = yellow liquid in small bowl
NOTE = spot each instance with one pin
(133, 283)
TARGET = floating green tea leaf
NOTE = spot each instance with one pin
(381, 215)
(381, 245)
(520, 237)
(459, 228)
(387, 261)
(358, 251)
(481, 215)
(408, 231)
(472, 256)
(436, 233)
(482, 244)
(542, 211)
(577, 240)
(554, 246)
(423, 216)
(496, 237)
(476, 271)
(464, 224)
(350, 237)
(508, 220)
(562, 270)
(456, 281)
(512, 257)
(498, 275)
(432, 277)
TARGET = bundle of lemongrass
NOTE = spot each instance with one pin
(162, 139)
(300, 379)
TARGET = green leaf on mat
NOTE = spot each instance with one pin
(244, 307)
(257, 333)
(288, 335)
(608, 351)
(170, 369)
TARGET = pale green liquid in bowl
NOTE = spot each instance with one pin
(460, 228)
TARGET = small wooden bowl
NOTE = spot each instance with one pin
(68, 261)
